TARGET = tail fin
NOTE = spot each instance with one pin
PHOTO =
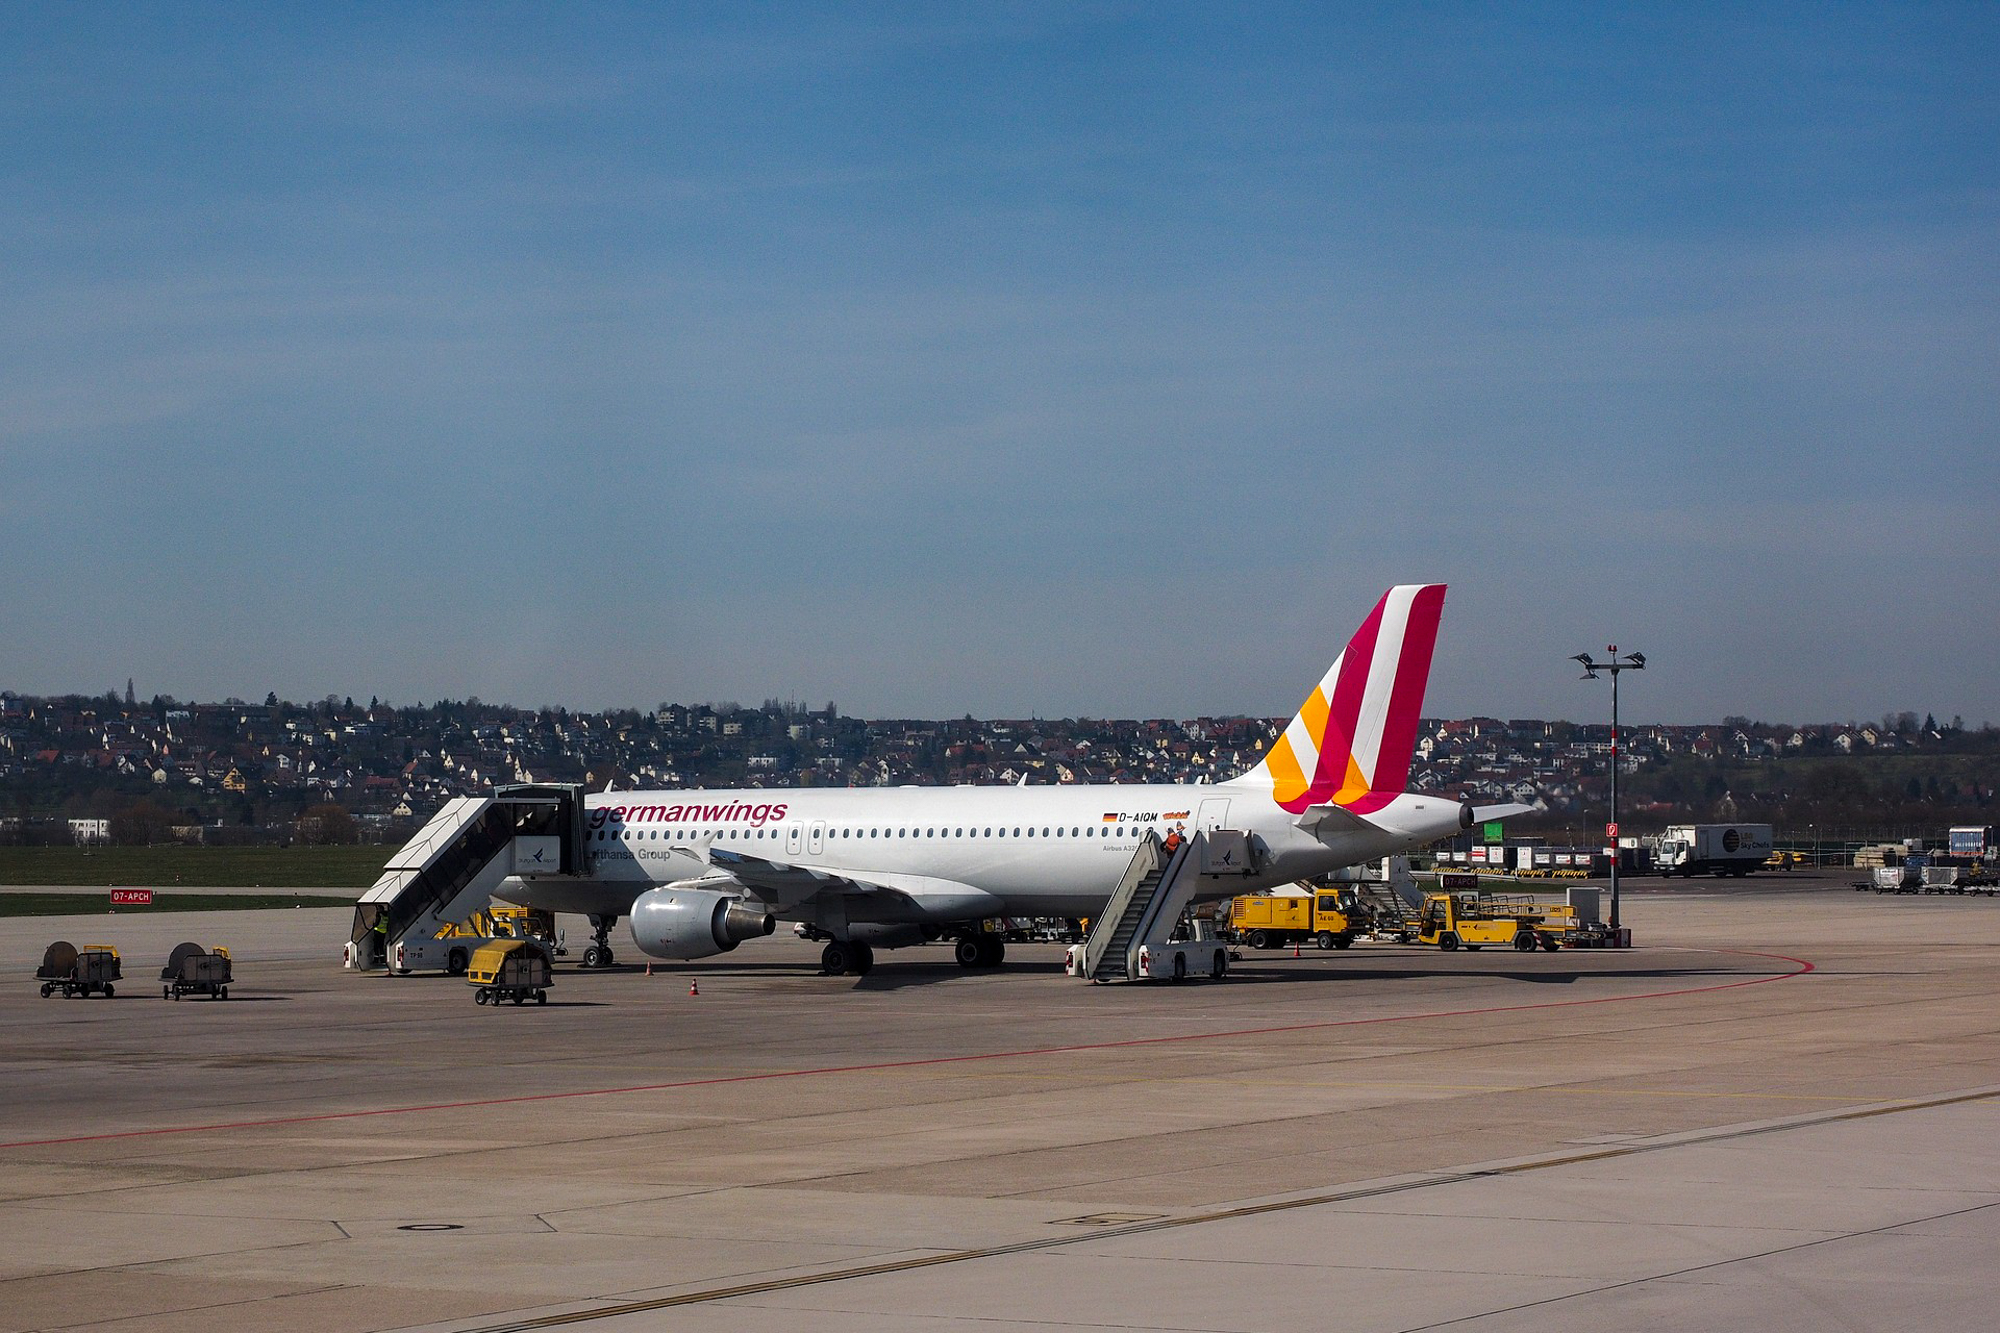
(1351, 742)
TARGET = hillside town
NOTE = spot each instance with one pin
(115, 768)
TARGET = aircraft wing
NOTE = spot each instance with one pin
(883, 897)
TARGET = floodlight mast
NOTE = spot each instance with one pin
(1615, 665)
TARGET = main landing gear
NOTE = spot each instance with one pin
(850, 958)
(599, 953)
(980, 950)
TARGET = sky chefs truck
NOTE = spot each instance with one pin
(1712, 849)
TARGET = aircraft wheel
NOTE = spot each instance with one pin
(993, 951)
(863, 960)
(968, 951)
(834, 958)
(590, 957)
(1448, 941)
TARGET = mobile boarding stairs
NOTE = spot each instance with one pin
(1132, 938)
(451, 869)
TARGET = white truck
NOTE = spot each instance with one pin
(1712, 849)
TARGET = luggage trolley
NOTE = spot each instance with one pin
(193, 970)
(75, 971)
(517, 970)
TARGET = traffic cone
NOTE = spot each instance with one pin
(649, 969)
(694, 988)
(1295, 947)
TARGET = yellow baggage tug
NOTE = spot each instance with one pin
(517, 970)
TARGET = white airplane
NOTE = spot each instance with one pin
(868, 868)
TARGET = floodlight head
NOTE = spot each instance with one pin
(1639, 660)
(1583, 658)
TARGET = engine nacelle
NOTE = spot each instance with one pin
(676, 922)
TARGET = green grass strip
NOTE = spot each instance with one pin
(194, 867)
(92, 904)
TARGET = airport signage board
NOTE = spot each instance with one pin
(537, 855)
(131, 897)
(1610, 830)
(1493, 832)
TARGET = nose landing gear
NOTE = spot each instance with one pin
(599, 952)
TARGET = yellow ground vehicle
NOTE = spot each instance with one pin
(1782, 860)
(451, 949)
(1474, 920)
(517, 970)
(1271, 921)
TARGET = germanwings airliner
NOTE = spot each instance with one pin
(869, 868)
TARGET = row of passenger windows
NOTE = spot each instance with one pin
(1087, 831)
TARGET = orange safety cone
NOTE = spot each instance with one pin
(649, 969)
(1295, 947)
(694, 988)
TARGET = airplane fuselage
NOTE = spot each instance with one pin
(1022, 851)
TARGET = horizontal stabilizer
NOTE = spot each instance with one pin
(1322, 820)
(1486, 814)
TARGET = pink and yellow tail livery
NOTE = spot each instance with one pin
(1351, 742)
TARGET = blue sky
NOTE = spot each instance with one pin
(1051, 359)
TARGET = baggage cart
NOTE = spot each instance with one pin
(79, 972)
(193, 970)
(517, 970)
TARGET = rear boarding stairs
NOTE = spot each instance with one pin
(1132, 938)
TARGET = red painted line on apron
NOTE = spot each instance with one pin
(1803, 967)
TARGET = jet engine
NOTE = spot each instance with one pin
(676, 922)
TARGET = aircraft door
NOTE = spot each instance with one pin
(791, 839)
(1213, 814)
(816, 838)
